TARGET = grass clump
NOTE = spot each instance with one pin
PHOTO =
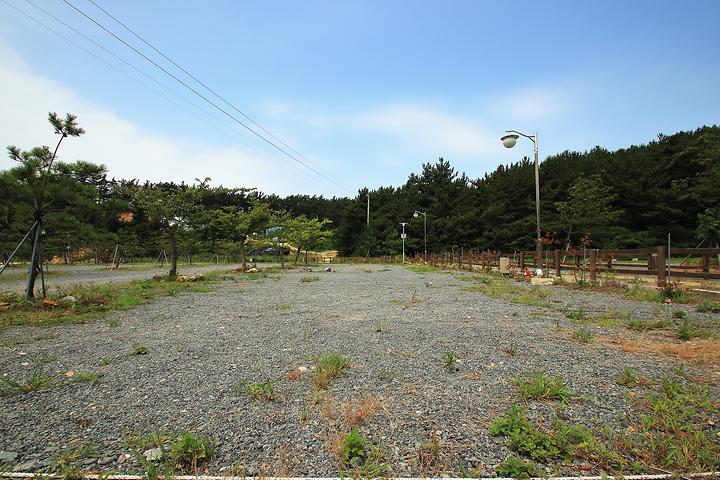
(450, 360)
(539, 386)
(37, 380)
(309, 279)
(172, 453)
(139, 350)
(88, 377)
(328, 368)
(583, 335)
(361, 458)
(628, 377)
(577, 316)
(258, 391)
(690, 329)
(502, 289)
(708, 307)
(646, 325)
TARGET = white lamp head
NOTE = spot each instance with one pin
(416, 214)
(509, 139)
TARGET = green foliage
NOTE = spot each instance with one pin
(517, 468)
(352, 446)
(583, 335)
(628, 377)
(646, 325)
(139, 350)
(89, 377)
(577, 315)
(690, 329)
(258, 391)
(450, 359)
(309, 279)
(503, 289)
(708, 306)
(190, 449)
(327, 368)
(37, 380)
(539, 386)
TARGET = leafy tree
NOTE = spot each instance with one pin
(306, 233)
(589, 205)
(170, 207)
(34, 176)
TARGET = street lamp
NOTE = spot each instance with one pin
(403, 236)
(424, 214)
(509, 140)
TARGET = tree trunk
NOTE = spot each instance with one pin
(34, 261)
(173, 256)
(305, 257)
(297, 255)
(242, 253)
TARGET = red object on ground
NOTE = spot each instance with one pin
(526, 272)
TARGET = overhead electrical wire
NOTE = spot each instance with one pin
(200, 82)
(219, 125)
(214, 104)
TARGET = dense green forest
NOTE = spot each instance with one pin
(633, 197)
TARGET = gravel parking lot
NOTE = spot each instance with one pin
(393, 324)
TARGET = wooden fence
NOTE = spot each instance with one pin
(593, 261)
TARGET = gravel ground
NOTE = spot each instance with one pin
(200, 346)
(70, 274)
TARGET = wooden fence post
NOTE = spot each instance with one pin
(650, 260)
(558, 267)
(522, 260)
(706, 263)
(661, 267)
(593, 264)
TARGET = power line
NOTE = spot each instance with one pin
(225, 101)
(225, 112)
(220, 124)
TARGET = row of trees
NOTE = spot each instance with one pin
(628, 198)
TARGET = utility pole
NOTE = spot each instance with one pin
(368, 209)
(403, 236)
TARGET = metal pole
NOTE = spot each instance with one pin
(403, 242)
(425, 228)
(17, 248)
(368, 209)
(538, 247)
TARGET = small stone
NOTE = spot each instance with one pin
(328, 269)
(302, 369)
(153, 454)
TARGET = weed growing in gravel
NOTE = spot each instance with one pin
(689, 329)
(361, 458)
(185, 452)
(564, 442)
(675, 430)
(515, 467)
(646, 325)
(510, 349)
(139, 350)
(258, 391)
(628, 377)
(37, 380)
(406, 304)
(709, 307)
(309, 279)
(680, 314)
(429, 455)
(577, 315)
(328, 368)
(104, 361)
(583, 335)
(190, 450)
(352, 447)
(541, 387)
(66, 462)
(504, 290)
(114, 323)
(389, 375)
(283, 306)
(450, 360)
(611, 318)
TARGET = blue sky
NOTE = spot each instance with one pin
(367, 90)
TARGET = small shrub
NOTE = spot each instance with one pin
(680, 314)
(139, 350)
(517, 468)
(541, 387)
(189, 450)
(258, 391)
(673, 292)
(689, 330)
(429, 454)
(583, 335)
(628, 377)
(352, 446)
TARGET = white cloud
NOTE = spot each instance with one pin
(535, 103)
(118, 143)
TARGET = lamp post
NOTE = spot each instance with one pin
(424, 214)
(509, 140)
(402, 235)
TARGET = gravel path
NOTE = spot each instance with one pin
(70, 274)
(200, 346)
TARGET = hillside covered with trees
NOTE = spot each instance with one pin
(631, 197)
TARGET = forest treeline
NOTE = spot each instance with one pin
(632, 197)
